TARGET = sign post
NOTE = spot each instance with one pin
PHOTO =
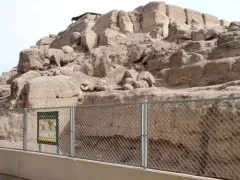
(48, 129)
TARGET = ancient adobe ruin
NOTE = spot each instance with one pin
(155, 52)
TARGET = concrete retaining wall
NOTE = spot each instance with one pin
(35, 166)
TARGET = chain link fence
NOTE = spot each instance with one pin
(198, 137)
(109, 133)
(60, 144)
(11, 129)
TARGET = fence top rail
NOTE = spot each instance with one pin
(145, 101)
(131, 103)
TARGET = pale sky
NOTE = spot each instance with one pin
(24, 22)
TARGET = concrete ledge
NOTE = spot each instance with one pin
(35, 166)
(7, 177)
(9, 162)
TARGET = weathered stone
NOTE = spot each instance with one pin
(7, 77)
(45, 41)
(224, 22)
(196, 25)
(109, 20)
(194, 46)
(129, 74)
(110, 37)
(74, 37)
(199, 35)
(128, 87)
(34, 47)
(67, 49)
(125, 22)
(136, 18)
(157, 32)
(184, 75)
(102, 66)
(17, 85)
(101, 85)
(66, 71)
(140, 84)
(68, 58)
(154, 15)
(89, 39)
(211, 34)
(51, 91)
(195, 58)
(87, 87)
(5, 90)
(57, 72)
(69, 36)
(228, 37)
(179, 32)
(135, 52)
(139, 9)
(148, 77)
(178, 59)
(210, 20)
(52, 36)
(208, 34)
(234, 26)
(129, 81)
(54, 55)
(105, 58)
(191, 14)
(222, 69)
(31, 59)
(183, 35)
(176, 13)
(229, 49)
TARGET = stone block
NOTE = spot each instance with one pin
(185, 75)
(109, 20)
(154, 14)
(125, 22)
(136, 18)
(224, 22)
(198, 35)
(89, 39)
(178, 59)
(176, 13)
(46, 91)
(210, 20)
(191, 14)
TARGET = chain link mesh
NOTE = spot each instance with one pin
(63, 145)
(109, 133)
(200, 138)
(194, 137)
(11, 129)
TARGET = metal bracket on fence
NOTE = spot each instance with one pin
(72, 130)
(144, 117)
(25, 127)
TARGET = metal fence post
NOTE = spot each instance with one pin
(144, 140)
(25, 127)
(72, 130)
